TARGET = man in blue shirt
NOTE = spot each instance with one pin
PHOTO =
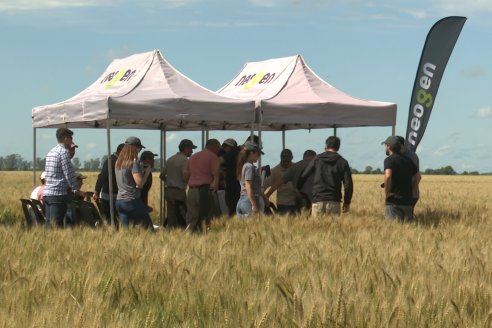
(60, 176)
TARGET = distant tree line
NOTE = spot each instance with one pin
(15, 162)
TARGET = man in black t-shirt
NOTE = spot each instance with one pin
(398, 183)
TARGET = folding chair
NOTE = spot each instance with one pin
(39, 210)
(32, 213)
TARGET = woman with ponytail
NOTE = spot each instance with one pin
(249, 179)
(130, 181)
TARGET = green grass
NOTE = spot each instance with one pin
(356, 271)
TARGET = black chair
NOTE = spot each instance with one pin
(84, 212)
(40, 206)
(32, 213)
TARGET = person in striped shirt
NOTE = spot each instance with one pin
(60, 176)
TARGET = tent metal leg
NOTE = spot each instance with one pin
(335, 131)
(393, 130)
(110, 175)
(163, 192)
(34, 160)
(283, 139)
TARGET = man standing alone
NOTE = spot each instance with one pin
(399, 182)
(330, 171)
(60, 175)
(175, 190)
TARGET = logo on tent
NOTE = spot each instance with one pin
(121, 75)
(249, 81)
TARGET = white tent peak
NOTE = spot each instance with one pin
(145, 91)
(292, 96)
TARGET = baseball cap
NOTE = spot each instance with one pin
(43, 175)
(73, 146)
(186, 143)
(134, 141)
(230, 142)
(148, 154)
(251, 146)
(392, 141)
(79, 176)
(286, 153)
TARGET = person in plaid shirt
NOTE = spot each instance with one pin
(60, 176)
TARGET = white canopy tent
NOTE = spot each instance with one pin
(291, 96)
(144, 91)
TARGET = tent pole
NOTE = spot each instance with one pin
(34, 161)
(203, 139)
(393, 130)
(207, 133)
(283, 139)
(334, 131)
(163, 192)
(110, 174)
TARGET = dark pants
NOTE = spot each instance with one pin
(133, 210)
(286, 209)
(198, 207)
(56, 209)
(105, 207)
(232, 192)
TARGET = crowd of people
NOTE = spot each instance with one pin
(222, 179)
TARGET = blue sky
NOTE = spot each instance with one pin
(52, 49)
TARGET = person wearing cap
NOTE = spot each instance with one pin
(101, 190)
(71, 150)
(37, 193)
(228, 158)
(286, 192)
(330, 170)
(398, 181)
(130, 180)
(202, 173)
(250, 181)
(175, 184)
(147, 158)
(73, 199)
(405, 151)
(303, 188)
(60, 175)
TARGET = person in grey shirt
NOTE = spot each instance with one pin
(250, 181)
(129, 179)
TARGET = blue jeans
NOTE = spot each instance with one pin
(55, 209)
(134, 210)
(244, 208)
(399, 212)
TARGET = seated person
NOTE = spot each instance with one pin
(37, 193)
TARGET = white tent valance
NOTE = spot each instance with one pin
(292, 96)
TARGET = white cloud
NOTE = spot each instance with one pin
(441, 151)
(474, 71)
(171, 137)
(484, 112)
(465, 7)
(91, 146)
(265, 3)
(31, 5)
(415, 13)
(27, 5)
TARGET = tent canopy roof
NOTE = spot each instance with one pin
(145, 91)
(292, 96)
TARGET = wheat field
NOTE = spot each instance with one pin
(358, 270)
